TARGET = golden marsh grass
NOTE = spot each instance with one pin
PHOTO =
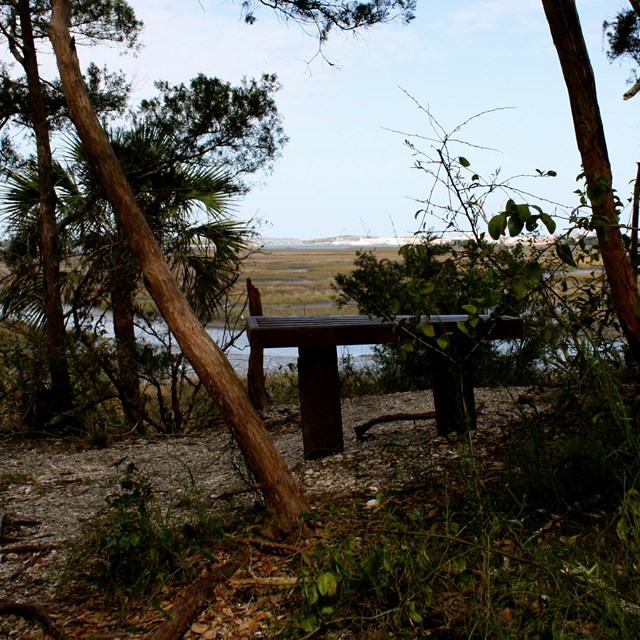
(297, 281)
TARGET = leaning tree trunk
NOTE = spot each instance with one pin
(566, 32)
(281, 491)
(55, 335)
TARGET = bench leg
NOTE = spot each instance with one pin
(452, 390)
(320, 401)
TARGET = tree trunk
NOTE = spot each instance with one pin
(124, 276)
(281, 491)
(55, 334)
(566, 32)
(122, 294)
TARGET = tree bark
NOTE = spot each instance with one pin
(566, 32)
(122, 294)
(55, 334)
(281, 491)
(123, 281)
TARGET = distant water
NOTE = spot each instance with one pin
(281, 359)
(238, 354)
(312, 247)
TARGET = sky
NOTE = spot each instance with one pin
(346, 168)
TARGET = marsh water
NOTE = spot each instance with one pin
(239, 349)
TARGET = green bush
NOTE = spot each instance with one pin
(436, 278)
(25, 395)
(135, 544)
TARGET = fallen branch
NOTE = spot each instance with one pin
(287, 417)
(361, 429)
(279, 548)
(227, 495)
(12, 523)
(31, 612)
(30, 548)
(193, 602)
(264, 582)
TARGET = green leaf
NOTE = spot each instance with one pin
(414, 616)
(470, 309)
(519, 288)
(428, 330)
(428, 287)
(443, 341)
(533, 272)
(309, 624)
(463, 328)
(511, 208)
(563, 251)
(548, 222)
(460, 564)
(515, 225)
(621, 530)
(497, 225)
(310, 593)
(327, 584)
(532, 223)
(464, 162)
(524, 213)
(427, 593)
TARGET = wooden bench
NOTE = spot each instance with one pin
(317, 337)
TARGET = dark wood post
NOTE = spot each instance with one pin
(320, 401)
(255, 373)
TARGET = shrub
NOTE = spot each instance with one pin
(436, 278)
(134, 543)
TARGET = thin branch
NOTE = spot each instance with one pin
(632, 92)
(361, 429)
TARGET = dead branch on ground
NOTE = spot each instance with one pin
(198, 595)
(361, 429)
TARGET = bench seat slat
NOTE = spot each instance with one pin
(317, 331)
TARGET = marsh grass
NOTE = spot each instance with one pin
(298, 281)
